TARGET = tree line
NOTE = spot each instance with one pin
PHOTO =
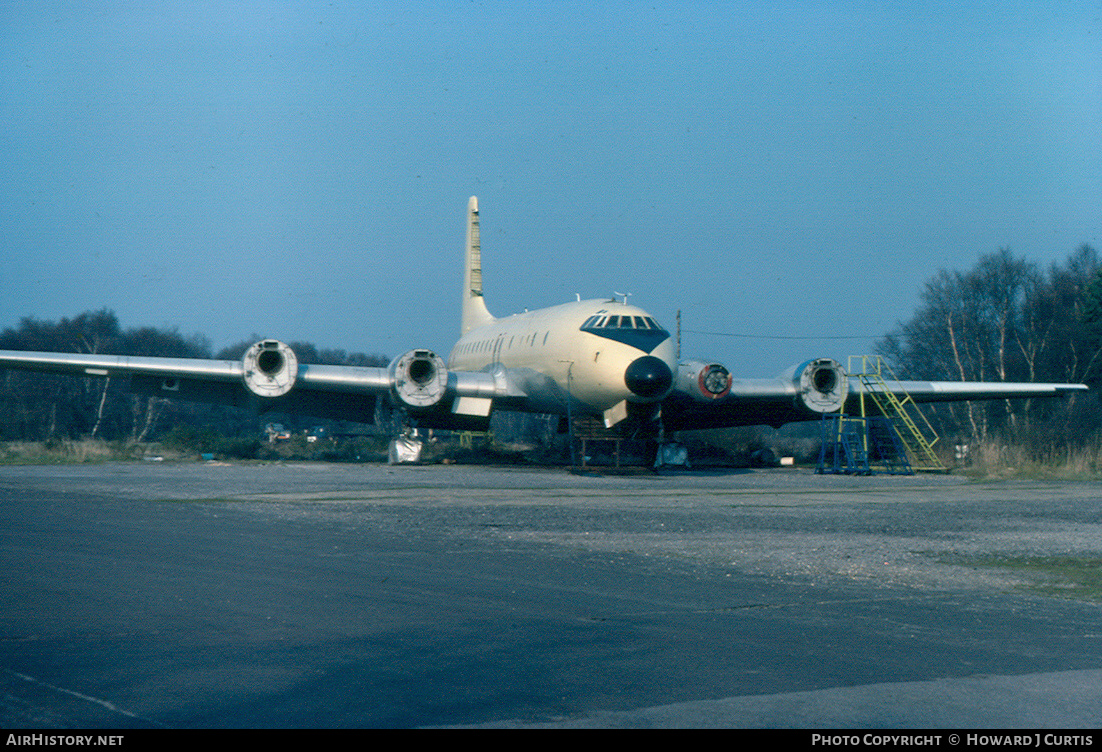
(1008, 319)
(43, 406)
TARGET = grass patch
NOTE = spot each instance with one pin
(995, 461)
(1078, 577)
(71, 452)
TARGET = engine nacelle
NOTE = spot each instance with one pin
(418, 379)
(821, 385)
(704, 382)
(269, 368)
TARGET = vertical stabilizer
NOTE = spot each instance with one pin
(474, 307)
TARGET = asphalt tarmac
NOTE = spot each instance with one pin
(192, 595)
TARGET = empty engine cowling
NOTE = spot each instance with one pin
(704, 382)
(821, 385)
(418, 379)
(269, 368)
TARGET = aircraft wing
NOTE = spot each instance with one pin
(955, 391)
(705, 396)
(269, 377)
(116, 365)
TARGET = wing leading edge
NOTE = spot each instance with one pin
(953, 391)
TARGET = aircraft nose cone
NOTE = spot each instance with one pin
(648, 377)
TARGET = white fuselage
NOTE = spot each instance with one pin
(549, 348)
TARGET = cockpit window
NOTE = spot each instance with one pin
(645, 323)
(642, 332)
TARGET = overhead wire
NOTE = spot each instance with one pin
(782, 336)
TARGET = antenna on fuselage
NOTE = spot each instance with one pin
(624, 294)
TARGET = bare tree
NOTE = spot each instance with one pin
(1004, 320)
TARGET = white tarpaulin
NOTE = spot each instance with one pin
(404, 449)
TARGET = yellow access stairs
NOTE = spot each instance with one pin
(915, 433)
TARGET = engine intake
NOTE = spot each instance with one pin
(418, 379)
(821, 385)
(269, 368)
(704, 382)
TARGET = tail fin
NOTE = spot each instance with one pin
(474, 307)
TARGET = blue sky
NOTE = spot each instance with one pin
(788, 172)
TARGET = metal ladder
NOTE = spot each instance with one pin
(843, 450)
(918, 448)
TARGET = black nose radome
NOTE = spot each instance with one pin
(648, 377)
